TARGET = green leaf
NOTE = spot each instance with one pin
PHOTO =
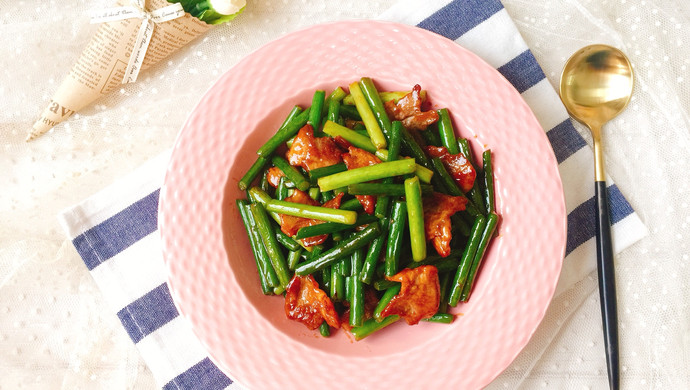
(204, 11)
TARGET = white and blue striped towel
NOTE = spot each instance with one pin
(115, 230)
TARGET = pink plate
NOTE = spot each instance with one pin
(211, 271)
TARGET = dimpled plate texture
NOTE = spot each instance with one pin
(211, 271)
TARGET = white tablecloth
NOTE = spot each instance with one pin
(55, 330)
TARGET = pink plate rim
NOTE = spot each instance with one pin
(201, 240)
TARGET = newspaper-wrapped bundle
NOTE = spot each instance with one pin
(132, 36)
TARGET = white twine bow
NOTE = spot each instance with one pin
(149, 19)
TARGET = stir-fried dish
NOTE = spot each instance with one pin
(365, 208)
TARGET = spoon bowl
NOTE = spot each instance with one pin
(596, 85)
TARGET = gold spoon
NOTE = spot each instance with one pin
(596, 85)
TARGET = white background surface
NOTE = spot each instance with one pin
(55, 330)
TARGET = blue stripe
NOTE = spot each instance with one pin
(522, 71)
(460, 16)
(118, 232)
(148, 313)
(565, 140)
(620, 208)
(581, 221)
(202, 376)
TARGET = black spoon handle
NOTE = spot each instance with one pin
(607, 283)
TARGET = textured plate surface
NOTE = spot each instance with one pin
(212, 273)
